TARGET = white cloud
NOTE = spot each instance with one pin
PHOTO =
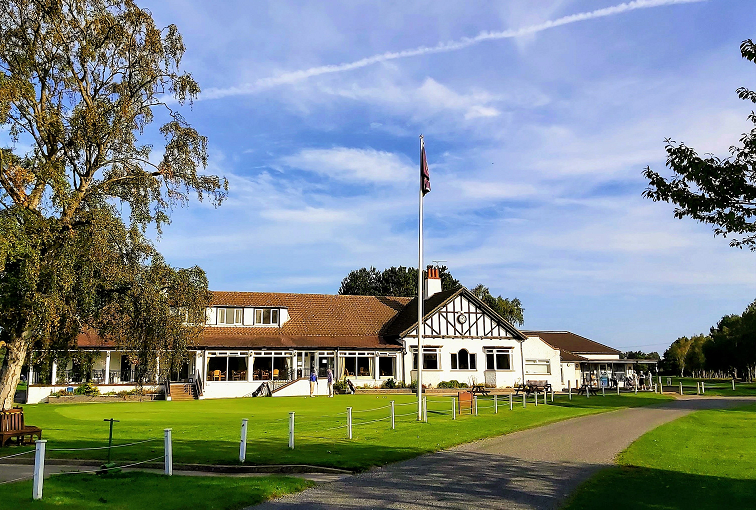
(353, 165)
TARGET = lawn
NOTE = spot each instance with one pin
(706, 460)
(139, 491)
(207, 431)
(712, 387)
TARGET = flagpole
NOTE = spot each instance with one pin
(420, 298)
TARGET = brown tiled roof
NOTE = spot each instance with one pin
(576, 344)
(315, 320)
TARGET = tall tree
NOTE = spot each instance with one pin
(509, 309)
(80, 82)
(713, 190)
(394, 281)
(676, 356)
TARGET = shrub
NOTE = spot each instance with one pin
(340, 385)
(413, 385)
(452, 384)
(88, 389)
(389, 384)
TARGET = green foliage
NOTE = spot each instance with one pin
(87, 389)
(717, 191)
(452, 384)
(509, 309)
(80, 83)
(341, 385)
(390, 384)
(394, 281)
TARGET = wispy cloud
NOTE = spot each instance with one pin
(353, 165)
(442, 47)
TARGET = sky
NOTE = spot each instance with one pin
(538, 118)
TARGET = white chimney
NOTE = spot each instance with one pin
(432, 282)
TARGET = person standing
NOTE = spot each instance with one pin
(329, 374)
(313, 381)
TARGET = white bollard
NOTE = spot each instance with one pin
(703, 388)
(39, 468)
(681, 390)
(603, 391)
(618, 388)
(349, 422)
(291, 430)
(524, 402)
(425, 409)
(496, 404)
(535, 398)
(544, 397)
(454, 408)
(569, 392)
(243, 442)
(510, 401)
(552, 395)
(698, 388)
(168, 453)
(587, 391)
(733, 385)
(635, 386)
(393, 416)
(475, 402)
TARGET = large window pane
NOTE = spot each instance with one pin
(502, 361)
(454, 361)
(217, 368)
(430, 361)
(262, 368)
(473, 364)
(463, 359)
(490, 361)
(386, 366)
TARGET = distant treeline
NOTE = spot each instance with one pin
(729, 350)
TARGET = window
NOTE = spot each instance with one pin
(430, 358)
(272, 365)
(386, 366)
(357, 364)
(537, 366)
(227, 368)
(498, 359)
(463, 360)
(230, 315)
(266, 316)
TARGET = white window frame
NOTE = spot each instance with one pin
(261, 312)
(495, 352)
(472, 359)
(427, 350)
(537, 363)
(223, 311)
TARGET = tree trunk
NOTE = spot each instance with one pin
(16, 354)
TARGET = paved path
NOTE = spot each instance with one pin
(532, 469)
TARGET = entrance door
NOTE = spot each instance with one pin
(182, 375)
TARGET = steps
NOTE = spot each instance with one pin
(182, 391)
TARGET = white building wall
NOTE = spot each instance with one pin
(571, 375)
(536, 349)
(599, 356)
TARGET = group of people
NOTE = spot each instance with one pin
(314, 382)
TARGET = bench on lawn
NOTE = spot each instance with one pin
(531, 387)
(586, 387)
(478, 389)
(12, 426)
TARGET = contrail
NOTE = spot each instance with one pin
(443, 47)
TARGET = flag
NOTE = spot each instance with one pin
(424, 174)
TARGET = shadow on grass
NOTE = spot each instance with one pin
(450, 479)
(636, 488)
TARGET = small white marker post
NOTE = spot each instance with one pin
(243, 442)
(349, 422)
(475, 402)
(552, 395)
(510, 401)
(545, 396)
(603, 391)
(681, 390)
(524, 402)
(569, 391)
(291, 430)
(454, 408)
(587, 391)
(535, 398)
(393, 416)
(496, 404)
(635, 386)
(39, 468)
(733, 384)
(618, 391)
(168, 445)
(698, 388)
(703, 388)
(425, 409)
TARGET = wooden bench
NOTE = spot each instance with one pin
(531, 387)
(478, 389)
(585, 387)
(12, 426)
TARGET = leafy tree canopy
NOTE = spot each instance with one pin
(713, 190)
(509, 309)
(80, 83)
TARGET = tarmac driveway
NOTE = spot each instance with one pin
(532, 469)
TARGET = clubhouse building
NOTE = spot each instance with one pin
(274, 340)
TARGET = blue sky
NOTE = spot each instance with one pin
(536, 134)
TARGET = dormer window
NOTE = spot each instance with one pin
(230, 316)
(266, 317)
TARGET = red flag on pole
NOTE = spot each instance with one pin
(424, 174)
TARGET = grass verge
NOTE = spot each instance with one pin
(139, 491)
(712, 387)
(706, 460)
(207, 431)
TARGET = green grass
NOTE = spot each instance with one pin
(704, 460)
(712, 387)
(140, 491)
(207, 431)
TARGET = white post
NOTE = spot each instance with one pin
(618, 388)
(569, 392)
(733, 384)
(603, 391)
(425, 409)
(544, 396)
(698, 388)
(454, 408)
(54, 374)
(393, 416)
(510, 401)
(243, 442)
(661, 389)
(39, 468)
(703, 388)
(420, 293)
(681, 390)
(291, 430)
(496, 404)
(106, 380)
(552, 395)
(168, 447)
(635, 386)
(535, 398)
(475, 402)
(349, 422)
(524, 402)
